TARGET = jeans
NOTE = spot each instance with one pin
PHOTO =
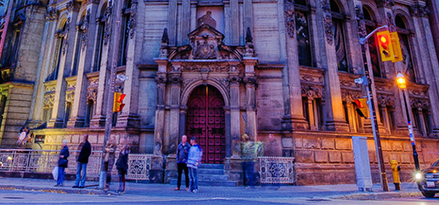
(122, 179)
(108, 168)
(181, 167)
(249, 174)
(61, 176)
(194, 179)
(83, 167)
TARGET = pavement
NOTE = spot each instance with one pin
(133, 189)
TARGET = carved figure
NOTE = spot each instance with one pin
(207, 19)
(205, 51)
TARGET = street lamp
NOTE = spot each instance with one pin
(401, 82)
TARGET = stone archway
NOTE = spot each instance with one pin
(206, 122)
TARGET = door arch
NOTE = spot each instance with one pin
(206, 122)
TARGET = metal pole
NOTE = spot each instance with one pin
(412, 137)
(115, 34)
(374, 123)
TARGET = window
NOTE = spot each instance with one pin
(89, 113)
(407, 63)
(67, 113)
(302, 33)
(312, 111)
(373, 47)
(100, 40)
(53, 75)
(339, 37)
(78, 47)
(123, 44)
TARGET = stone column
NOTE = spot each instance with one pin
(88, 28)
(172, 22)
(65, 65)
(311, 114)
(159, 128)
(250, 93)
(185, 22)
(385, 118)
(334, 106)
(182, 123)
(293, 118)
(351, 116)
(234, 127)
(421, 126)
(129, 116)
(175, 81)
(233, 19)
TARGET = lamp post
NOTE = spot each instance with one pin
(401, 82)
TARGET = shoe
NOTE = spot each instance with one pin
(81, 187)
(75, 186)
(195, 191)
(187, 189)
(57, 185)
(176, 189)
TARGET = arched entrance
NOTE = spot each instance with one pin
(206, 122)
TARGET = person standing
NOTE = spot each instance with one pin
(122, 164)
(272, 149)
(249, 153)
(109, 156)
(194, 159)
(62, 163)
(82, 163)
(182, 157)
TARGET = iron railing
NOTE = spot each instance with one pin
(43, 161)
(273, 170)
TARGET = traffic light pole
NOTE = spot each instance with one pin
(412, 137)
(374, 123)
(115, 27)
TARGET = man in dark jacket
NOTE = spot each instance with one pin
(182, 155)
(62, 163)
(82, 163)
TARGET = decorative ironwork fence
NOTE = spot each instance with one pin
(276, 170)
(43, 161)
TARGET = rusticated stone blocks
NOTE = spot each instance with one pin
(321, 156)
(343, 144)
(334, 157)
(348, 157)
(311, 143)
(327, 143)
(305, 156)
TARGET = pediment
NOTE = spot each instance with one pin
(206, 43)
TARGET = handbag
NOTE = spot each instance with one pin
(55, 173)
(63, 162)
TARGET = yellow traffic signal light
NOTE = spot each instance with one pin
(396, 46)
(118, 98)
(386, 49)
(362, 108)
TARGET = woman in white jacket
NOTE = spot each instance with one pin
(194, 159)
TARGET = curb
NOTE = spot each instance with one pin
(55, 190)
(378, 196)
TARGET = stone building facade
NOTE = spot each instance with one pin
(216, 69)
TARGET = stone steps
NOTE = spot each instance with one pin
(210, 175)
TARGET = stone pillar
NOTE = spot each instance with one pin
(293, 118)
(89, 28)
(185, 22)
(247, 13)
(234, 26)
(385, 118)
(175, 81)
(65, 65)
(172, 22)
(250, 93)
(351, 116)
(159, 128)
(182, 123)
(334, 106)
(129, 116)
(311, 114)
(421, 126)
(234, 127)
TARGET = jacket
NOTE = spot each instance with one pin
(85, 153)
(62, 162)
(251, 150)
(195, 155)
(182, 152)
(122, 161)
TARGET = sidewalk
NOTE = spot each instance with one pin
(342, 191)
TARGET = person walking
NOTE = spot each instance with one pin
(249, 153)
(82, 163)
(109, 156)
(122, 164)
(62, 163)
(194, 159)
(182, 157)
(272, 149)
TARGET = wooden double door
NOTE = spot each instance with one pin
(206, 122)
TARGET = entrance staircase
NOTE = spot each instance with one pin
(209, 175)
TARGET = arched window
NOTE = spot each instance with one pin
(124, 33)
(369, 19)
(80, 32)
(89, 113)
(302, 30)
(100, 39)
(407, 63)
(339, 37)
(53, 75)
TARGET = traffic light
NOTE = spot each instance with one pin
(362, 108)
(396, 46)
(386, 49)
(118, 98)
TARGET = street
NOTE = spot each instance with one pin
(37, 197)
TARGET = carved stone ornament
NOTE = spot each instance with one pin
(289, 17)
(176, 79)
(385, 3)
(250, 80)
(311, 92)
(234, 79)
(72, 5)
(84, 27)
(204, 50)
(327, 21)
(419, 10)
(70, 96)
(51, 14)
(419, 103)
(194, 67)
(92, 94)
(132, 20)
(66, 37)
(48, 100)
(361, 23)
(107, 17)
(160, 80)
